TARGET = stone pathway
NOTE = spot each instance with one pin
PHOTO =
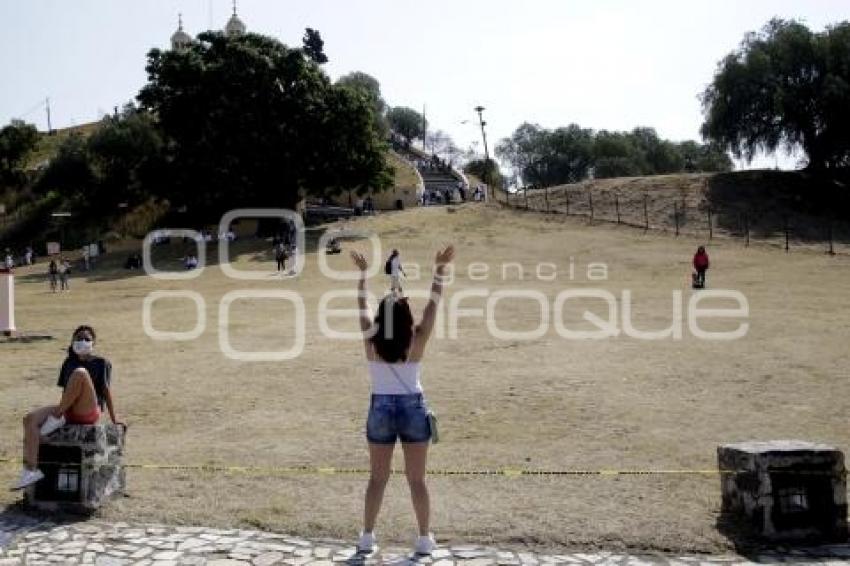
(25, 541)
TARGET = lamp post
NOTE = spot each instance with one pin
(481, 121)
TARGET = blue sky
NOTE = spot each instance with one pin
(612, 64)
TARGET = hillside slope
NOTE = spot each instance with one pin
(761, 202)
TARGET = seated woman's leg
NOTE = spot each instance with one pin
(32, 423)
(79, 397)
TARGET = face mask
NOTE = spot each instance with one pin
(82, 347)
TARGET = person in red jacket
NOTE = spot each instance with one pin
(701, 266)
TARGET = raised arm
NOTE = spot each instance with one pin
(444, 257)
(362, 305)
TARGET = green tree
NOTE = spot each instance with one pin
(617, 155)
(488, 172)
(784, 87)
(704, 157)
(247, 121)
(314, 46)
(17, 140)
(69, 174)
(126, 154)
(567, 156)
(366, 84)
(655, 156)
(407, 122)
(523, 149)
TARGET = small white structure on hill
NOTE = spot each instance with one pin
(180, 39)
(233, 28)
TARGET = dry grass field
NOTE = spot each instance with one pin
(550, 404)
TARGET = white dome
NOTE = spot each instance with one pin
(234, 26)
(180, 39)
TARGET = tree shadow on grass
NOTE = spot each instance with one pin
(169, 257)
(811, 207)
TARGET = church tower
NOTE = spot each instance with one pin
(234, 26)
(180, 39)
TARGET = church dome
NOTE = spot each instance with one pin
(180, 38)
(234, 26)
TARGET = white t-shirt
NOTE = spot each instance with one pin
(395, 266)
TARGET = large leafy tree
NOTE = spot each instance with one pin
(126, 156)
(407, 122)
(249, 122)
(569, 154)
(368, 86)
(523, 149)
(17, 140)
(487, 171)
(785, 87)
(69, 174)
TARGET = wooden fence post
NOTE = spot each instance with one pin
(785, 227)
(567, 201)
(710, 227)
(546, 196)
(590, 202)
(525, 191)
(617, 206)
(676, 216)
(645, 215)
(829, 236)
(747, 227)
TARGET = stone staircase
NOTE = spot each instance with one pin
(438, 180)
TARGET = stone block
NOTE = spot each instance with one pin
(786, 489)
(83, 469)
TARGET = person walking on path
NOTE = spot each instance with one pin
(53, 274)
(394, 270)
(64, 274)
(701, 264)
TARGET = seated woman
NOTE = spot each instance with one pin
(333, 247)
(86, 382)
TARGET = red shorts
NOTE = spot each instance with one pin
(87, 419)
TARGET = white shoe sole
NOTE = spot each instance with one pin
(20, 486)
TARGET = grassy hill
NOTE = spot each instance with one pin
(762, 202)
(27, 217)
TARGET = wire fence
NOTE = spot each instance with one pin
(689, 215)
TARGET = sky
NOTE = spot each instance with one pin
(603, 64)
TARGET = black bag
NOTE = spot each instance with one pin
(388, 267)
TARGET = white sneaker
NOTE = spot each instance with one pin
(425, 545)
(28, 477)
(52, 424)
(367, 544)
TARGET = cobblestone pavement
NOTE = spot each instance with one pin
(27, 541)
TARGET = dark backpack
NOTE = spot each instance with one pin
(388, 267)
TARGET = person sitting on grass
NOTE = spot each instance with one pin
(333, 247)
(86, 388)
(395, 346)
(701, 266)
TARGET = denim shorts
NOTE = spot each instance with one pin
(393, 417)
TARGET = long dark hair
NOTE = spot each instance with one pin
(394, 325)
